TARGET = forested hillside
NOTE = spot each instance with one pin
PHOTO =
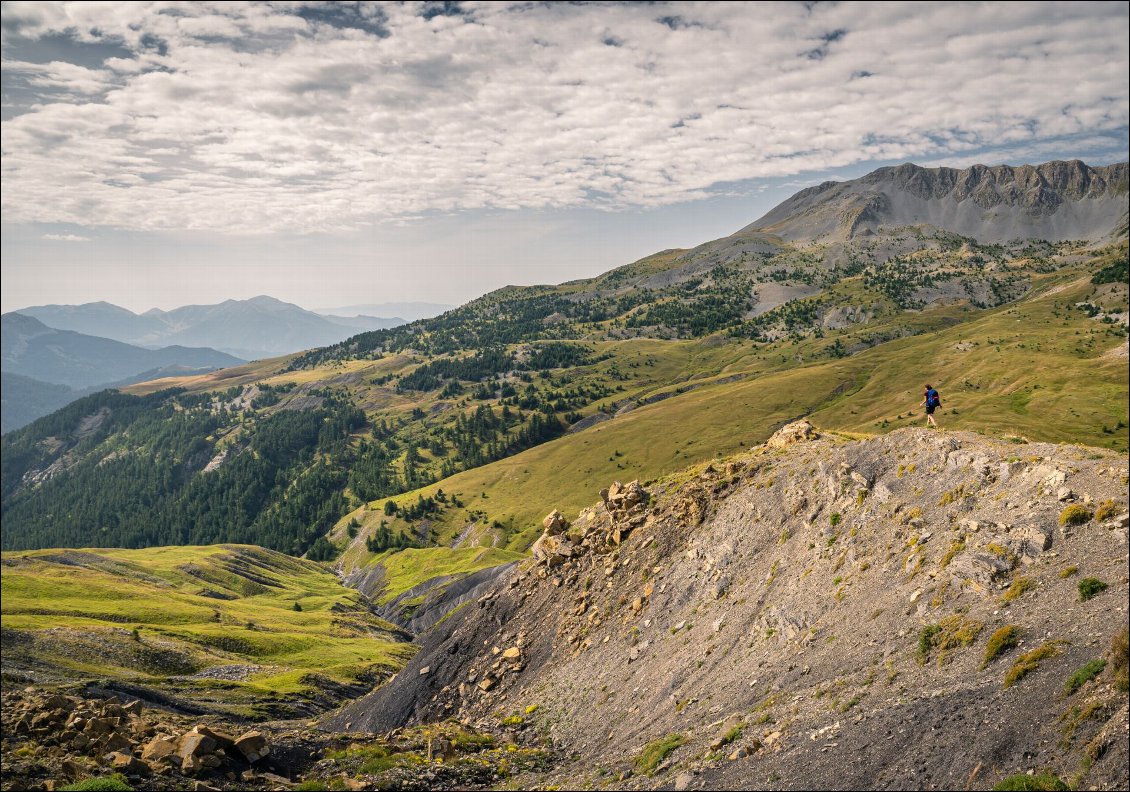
(421, 434)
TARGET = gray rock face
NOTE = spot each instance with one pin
(1054, 201)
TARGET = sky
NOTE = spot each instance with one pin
(156, 154)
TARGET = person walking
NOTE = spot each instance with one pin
(932, 401)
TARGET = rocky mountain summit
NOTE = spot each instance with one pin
(1053, 201)
(920, 609)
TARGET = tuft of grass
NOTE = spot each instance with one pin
(955, 548)
(1022, 782)
(112, 783)
(1017, 589)
(1084, 675)
(1090, 587)
(733, 734)
(926, 642)
(1106, 510)
(1000, 642)
(1030, 661)
(1120, 660)
(952, 632)
(312, 786)
(999, 550)
(656, 751)
(1075, 515)
(1067, 572)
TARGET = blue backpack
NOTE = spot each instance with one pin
(932, 398)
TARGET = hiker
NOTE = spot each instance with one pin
(932, 401)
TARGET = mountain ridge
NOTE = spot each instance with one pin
(64, 357)
(257, 327)
(45, 369)
(1029, 202)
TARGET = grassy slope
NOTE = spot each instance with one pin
(408, 568)
(78, 607)
(1036, 368)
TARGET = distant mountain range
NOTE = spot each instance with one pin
(54, 354)
(249, 329)
(64, 357)
(45, 368)
(410, 311)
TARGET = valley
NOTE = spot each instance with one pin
(365, 523)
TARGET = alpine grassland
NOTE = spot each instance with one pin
(171, 616)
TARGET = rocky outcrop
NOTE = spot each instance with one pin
(69, 736)
(1053, 201)
(830, 603)
(795, 432)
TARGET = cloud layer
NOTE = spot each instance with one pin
(251, 118)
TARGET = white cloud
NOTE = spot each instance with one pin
(246, 118)
(65, 238)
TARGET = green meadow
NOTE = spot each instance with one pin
(167, 617)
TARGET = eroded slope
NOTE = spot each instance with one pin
(825, 610)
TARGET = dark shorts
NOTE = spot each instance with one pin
(930, 409)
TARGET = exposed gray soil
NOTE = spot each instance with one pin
(786, 593)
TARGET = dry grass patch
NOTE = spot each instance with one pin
(1030, 661)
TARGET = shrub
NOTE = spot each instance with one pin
(1022, 782)
(1106, 510)
(1120, 660)
(1030, 661)
(1084, 675)
(1017, 589)
(733, 734)
(926, 642)
(951, 632)
(113, 783)
(1089, 587)
(655, 752)
(835, 518)
(1000, 642)
(1075, 515)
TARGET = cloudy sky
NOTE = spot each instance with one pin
(162, 153)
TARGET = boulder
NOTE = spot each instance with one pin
(253, 746)
(554, 523)
(513, 653)
(195, 743)
(117, 742)
(126, 763)
(795, 432)
(980, 570)
(158, 748)
(552, 549)
(1035, 539)
(634, 494)
(191, 764)
(224, 741)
